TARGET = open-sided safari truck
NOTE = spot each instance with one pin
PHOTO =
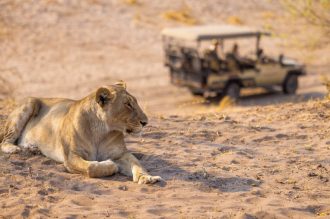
(213, 70)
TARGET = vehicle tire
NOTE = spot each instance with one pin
(290, 84)
(232, 90)
(196, 92)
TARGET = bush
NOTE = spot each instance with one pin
(316, 12)
(326, 82)
(182, 15)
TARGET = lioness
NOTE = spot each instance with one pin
(86, 135)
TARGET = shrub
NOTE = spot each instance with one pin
(326, 82)
(182, 15)
(316, 12)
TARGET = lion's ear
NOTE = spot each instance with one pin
(103, 96)
(121, 83)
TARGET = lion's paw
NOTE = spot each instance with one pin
(10, 148)
(147, 179)
(101, 169)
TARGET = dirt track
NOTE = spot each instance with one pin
(53, 48)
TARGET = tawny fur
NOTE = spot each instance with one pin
(86, 135)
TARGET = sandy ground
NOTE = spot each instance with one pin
(268, 162)
(68, 48)
(268, 157)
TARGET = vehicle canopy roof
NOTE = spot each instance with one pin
(209, 32)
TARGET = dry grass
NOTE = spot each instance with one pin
(132, 2)
(140, 18)
(326, 82)
(235, 20)
(315, 12)
(182, 15)
(322, 214)
(226, 102)
(269, 15)
(195, 101)
(50, 1)
(6, 106)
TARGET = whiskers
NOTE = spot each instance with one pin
(136, 129)
(134, 125)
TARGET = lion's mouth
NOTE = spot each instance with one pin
(129, 131)
(133, 131)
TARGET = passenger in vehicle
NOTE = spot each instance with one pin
(261, 57)
(260, 54)
(235, 61)
(212, 57)
(235, 51)
(232, 59)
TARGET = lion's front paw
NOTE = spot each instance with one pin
(147, 179)
(10, 148)
(101, 169)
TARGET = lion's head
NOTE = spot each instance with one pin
(120, 109)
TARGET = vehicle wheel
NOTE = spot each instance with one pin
(232, 90)
(290, 84)
(197, 92)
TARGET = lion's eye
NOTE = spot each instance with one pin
(129, 105)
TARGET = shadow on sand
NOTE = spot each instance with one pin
(204, 181)
(269, 98)
(156, 166)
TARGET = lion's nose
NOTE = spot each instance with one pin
(143, 123)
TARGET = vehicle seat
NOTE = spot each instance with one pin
(246, 63)
(239, 63)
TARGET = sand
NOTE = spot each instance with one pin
(269, 162)
(267, 157)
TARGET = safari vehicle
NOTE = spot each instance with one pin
(206, 71)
